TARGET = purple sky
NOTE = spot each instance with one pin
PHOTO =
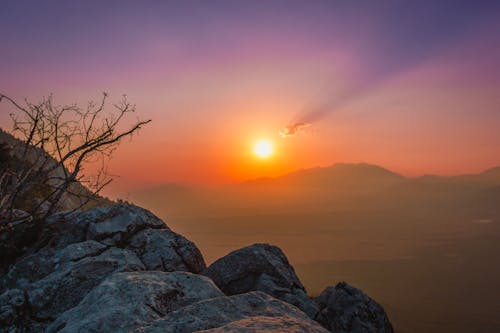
(411, 85)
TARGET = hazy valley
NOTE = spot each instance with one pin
(417, 244)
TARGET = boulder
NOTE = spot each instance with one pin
(126, 301)
(284, 324)
(59, 285)
(12, 304)
(114, 225)
(231, 310)
(36, 266)
(15, 313)
(68, 284)
(73, 253)
(261, 267)
(138, 230)
(345, 309)
(28, 269)
(111, 225)
(167, 251)
(77, 251)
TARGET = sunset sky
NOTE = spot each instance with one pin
(413, 86)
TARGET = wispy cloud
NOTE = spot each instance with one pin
(293, 129)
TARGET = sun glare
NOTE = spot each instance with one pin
(263, 148)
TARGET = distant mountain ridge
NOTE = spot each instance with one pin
(370, 172)
(341, 175)
(338, 177)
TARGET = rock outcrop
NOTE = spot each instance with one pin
(269, 325)
(347, 309)
(121, 269)
(221, 313)
(127, 301)
(264, 268)
(12, 310)
(67, 285)
(75, 253)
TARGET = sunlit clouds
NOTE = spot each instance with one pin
(293, 129)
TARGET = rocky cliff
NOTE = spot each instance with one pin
(121, 269)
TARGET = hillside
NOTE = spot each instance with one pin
(76, 195)
(340, 177)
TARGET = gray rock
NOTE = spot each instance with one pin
(284, 324)
(345, 309)
(110, 225)
(68, 285)
(221, 311)
(126, 301)
(28, 269)
(113, 225)
(63, 229)
(136, 229)
(261, 267)
(15, 314)
(77, 251)
(295, 296)
(12, 304)
(166, 251)
(36, 266)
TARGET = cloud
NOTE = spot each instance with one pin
(293, 129)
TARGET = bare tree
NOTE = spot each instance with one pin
(59, 144)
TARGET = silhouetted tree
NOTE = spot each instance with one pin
(4, 155)
(57, 143)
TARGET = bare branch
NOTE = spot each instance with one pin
(58, 142)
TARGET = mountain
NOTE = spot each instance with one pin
(343, 185)
(490, 176)
(462, 191)
(341, 176)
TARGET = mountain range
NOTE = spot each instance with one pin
(341, 183)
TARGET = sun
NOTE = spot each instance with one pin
(263, 148)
